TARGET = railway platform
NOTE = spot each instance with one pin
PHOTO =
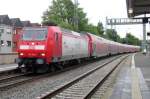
(133, 82)
(6, 67)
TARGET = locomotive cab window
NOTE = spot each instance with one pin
(34, 34)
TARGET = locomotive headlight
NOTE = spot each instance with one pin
(21, 54)
(42, 54)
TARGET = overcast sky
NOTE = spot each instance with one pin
(96, 10)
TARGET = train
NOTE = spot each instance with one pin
(44, 48)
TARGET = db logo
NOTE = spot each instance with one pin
(31, 47)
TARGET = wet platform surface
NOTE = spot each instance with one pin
(133, 81)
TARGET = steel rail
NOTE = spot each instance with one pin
(12, 84)
(64, 86)
(88, 96)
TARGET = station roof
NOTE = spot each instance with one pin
(137, 7)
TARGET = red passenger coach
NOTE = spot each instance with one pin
(99, 46)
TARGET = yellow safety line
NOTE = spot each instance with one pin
(136, 92)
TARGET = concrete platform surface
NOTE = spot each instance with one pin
(143, 62)
(6, 67)
(132, 80)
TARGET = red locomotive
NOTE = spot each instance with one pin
(41, 48)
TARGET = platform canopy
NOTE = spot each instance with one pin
(137, 7)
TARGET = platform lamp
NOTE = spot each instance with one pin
(0, 41)
(148, 41)
(0, 37)
(130, 11)
(148, 33)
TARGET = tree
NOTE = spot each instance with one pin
(132, 40)
(111, 34)
(92, 29)
(61, 12)
(82, 20)
(100, 28)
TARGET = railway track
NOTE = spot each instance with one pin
(7, 73)
(11, 79)
(85, 85)
(47, 82)
(10, 76)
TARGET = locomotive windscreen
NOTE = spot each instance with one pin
(34, 34)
